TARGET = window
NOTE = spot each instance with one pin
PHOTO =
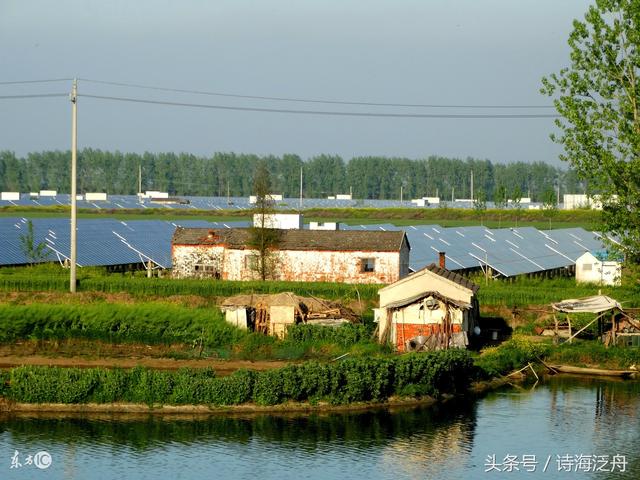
(368, 265)
(251, 262)
(206, 270)
(587, 267)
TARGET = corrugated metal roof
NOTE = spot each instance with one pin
(328, 240)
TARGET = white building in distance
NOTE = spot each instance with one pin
(602, 271)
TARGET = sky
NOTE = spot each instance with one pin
(442, 52)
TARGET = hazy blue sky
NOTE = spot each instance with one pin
(401, 51)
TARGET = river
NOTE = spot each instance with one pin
(565, 427)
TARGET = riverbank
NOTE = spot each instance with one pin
(347, 382)
(9, 407)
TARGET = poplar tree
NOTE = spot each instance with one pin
(598, 98)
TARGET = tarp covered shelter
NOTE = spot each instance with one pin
(595, 304)
(624, 329)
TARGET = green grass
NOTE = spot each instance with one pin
(152, 323)
(526, 291)
(518, 292)
(593, 352)
(202, 329)
(589, 219)
(519, 350)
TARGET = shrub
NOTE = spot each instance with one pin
(510, 355)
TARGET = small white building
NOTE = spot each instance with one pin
(324, 226)
(282, 221)
(48, 193)
(95, 197)
(10, 196)
(273, 197)
(599, 269)
(430, 309)
(155, 194)
(574, 201)
(426, 201)
(523, 200)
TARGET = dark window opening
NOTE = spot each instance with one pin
(368, 265)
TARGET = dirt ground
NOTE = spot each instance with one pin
(88, 354)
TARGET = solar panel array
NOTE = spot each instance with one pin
(508, 251)
(100, 242)
(117, 202)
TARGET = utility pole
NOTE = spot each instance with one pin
(139, 180)
(400, 193)
(300, 188)
(452, 197)
(74, 162)
(472, 185)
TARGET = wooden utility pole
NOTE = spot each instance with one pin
(74, 162)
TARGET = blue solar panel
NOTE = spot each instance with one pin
(508, 251)
(218, 203)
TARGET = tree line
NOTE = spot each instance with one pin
(369, 177)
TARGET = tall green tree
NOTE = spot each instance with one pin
(598, 97)
(516, 199)
(480, 205)
(263, 239)
(549, 204)
(500, 201)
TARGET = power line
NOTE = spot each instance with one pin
(310, 100)
(34, 95)
(24, 82)
(318, 112)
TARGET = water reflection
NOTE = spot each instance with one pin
(562, 415)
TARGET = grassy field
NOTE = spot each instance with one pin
(446, 217)
(518, 292)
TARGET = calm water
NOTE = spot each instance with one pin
(564, 416)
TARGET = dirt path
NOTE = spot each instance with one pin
(88, 354)
(222, 367)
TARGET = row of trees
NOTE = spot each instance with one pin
(324, 175)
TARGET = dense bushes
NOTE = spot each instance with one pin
(153, 322)
(353, 380)
(510, 355)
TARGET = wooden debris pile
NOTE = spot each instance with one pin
(271, 314)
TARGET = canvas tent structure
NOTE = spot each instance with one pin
(615, 326)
